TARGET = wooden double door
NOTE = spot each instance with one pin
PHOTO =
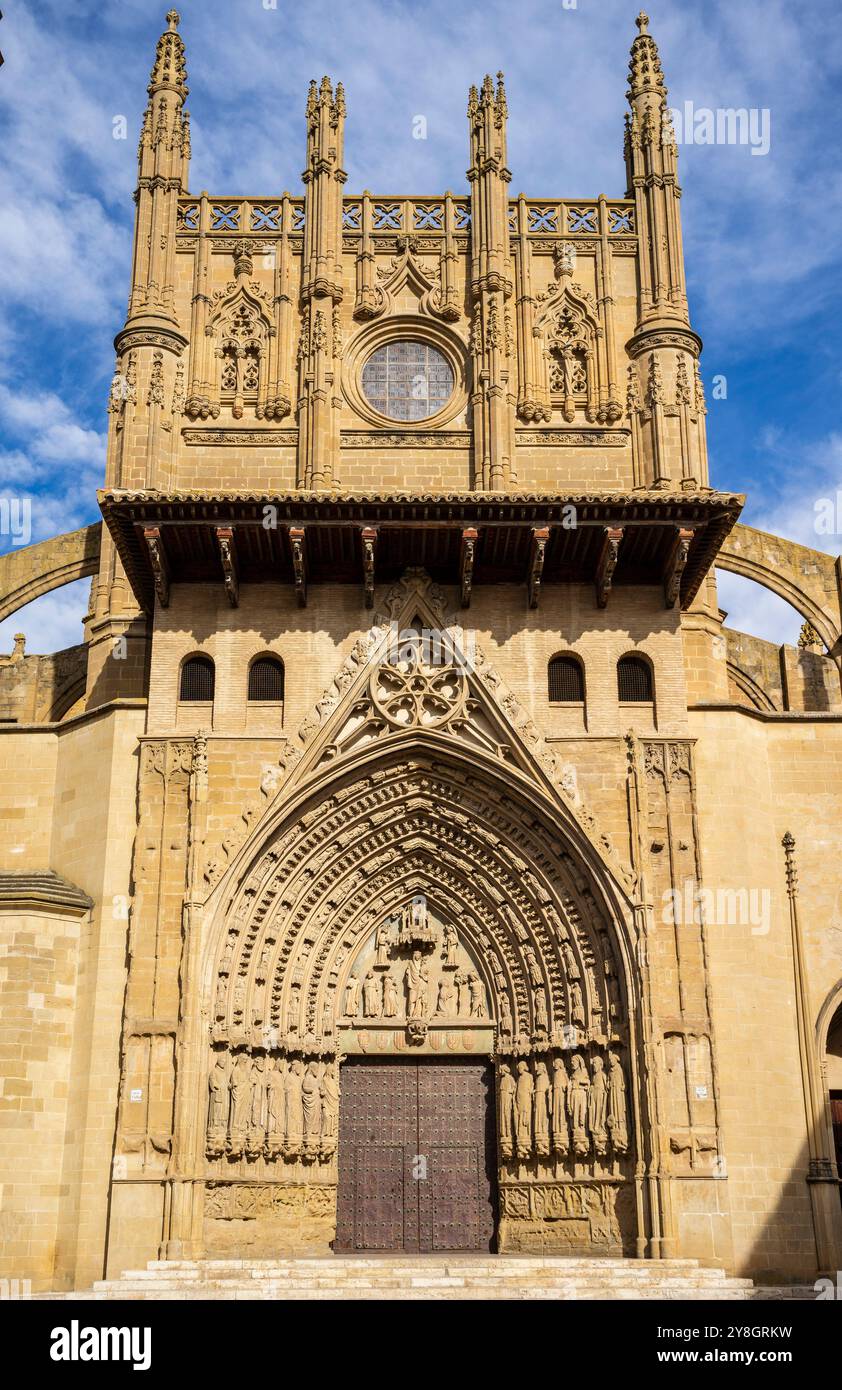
(417, 1162)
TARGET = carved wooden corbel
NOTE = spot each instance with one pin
(228, 556)
(158, 561)
(540, 536)
(466, 563)
(299, 568)
(369, 540)
(674, 567)
(607, 563)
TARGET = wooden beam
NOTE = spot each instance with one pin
(369, 541)
(299, 563)
(228, 556)
(466, 562)
(158, 561)
(607, 563)
(674, 567)
(537, 553)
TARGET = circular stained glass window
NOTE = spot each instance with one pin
(407, 381)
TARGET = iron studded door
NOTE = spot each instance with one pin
(416, 1156)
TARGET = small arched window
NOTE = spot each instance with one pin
(634, 680)
(266, 680)
(566, 681)
(197, 680)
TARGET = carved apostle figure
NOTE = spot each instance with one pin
(330, 1108)
(476, 990)
(275, 1100)
(371, 995)
(417, 980)
(560, 1133)
(218, 1110)
(617, 1115)
(506, 1100)
(598, 1106)
(382, 944)
(294, 1108)
(240, 1089)
(541, 1109)
(450, 942)
(523, 1110)
(577, 1104)
(311, 1104)
(257, 1090)
(390, 996)
(352, 997)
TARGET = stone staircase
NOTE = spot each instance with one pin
(451, 1277)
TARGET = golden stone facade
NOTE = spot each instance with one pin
(406, 733)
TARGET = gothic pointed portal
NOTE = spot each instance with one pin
(420, 888)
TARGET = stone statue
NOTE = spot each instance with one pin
(560, 1133)
(294, 1108)
(463, 986)
(523, 1110)
(218, 1110)
(352, 997)
(417, 980)
(450, 942)
(228, 953)
(541, 1109)
(330, 1110)
(577, 1005)
(390, 997)
(506, 1099)
(598, 1106)
(311, 1105)
(542, 1021)
(257, 1090)
(371, 996)
(570, 962)
(240, 1090)
(505, 1012)
(446, 998)
(577, 1104)
(275, 1100)
(327, 1016)
(383, 943)
(617, 1115)
(221, 993)
(476, 990)
(533, 968)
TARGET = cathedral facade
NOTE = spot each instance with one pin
(408, 859)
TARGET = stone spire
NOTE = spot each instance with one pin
(170, 68)
(491, 286)
(664, 347)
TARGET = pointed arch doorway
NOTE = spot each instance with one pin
(417, 1165)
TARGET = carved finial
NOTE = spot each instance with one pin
(169, 68)
(788, 843)
(242, 253)
(808, 638)
(645, 73)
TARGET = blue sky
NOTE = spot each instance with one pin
(761, 232)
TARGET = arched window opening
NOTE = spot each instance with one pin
(266, 680)
(197, 680)
(634, 680)
(566, 681)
